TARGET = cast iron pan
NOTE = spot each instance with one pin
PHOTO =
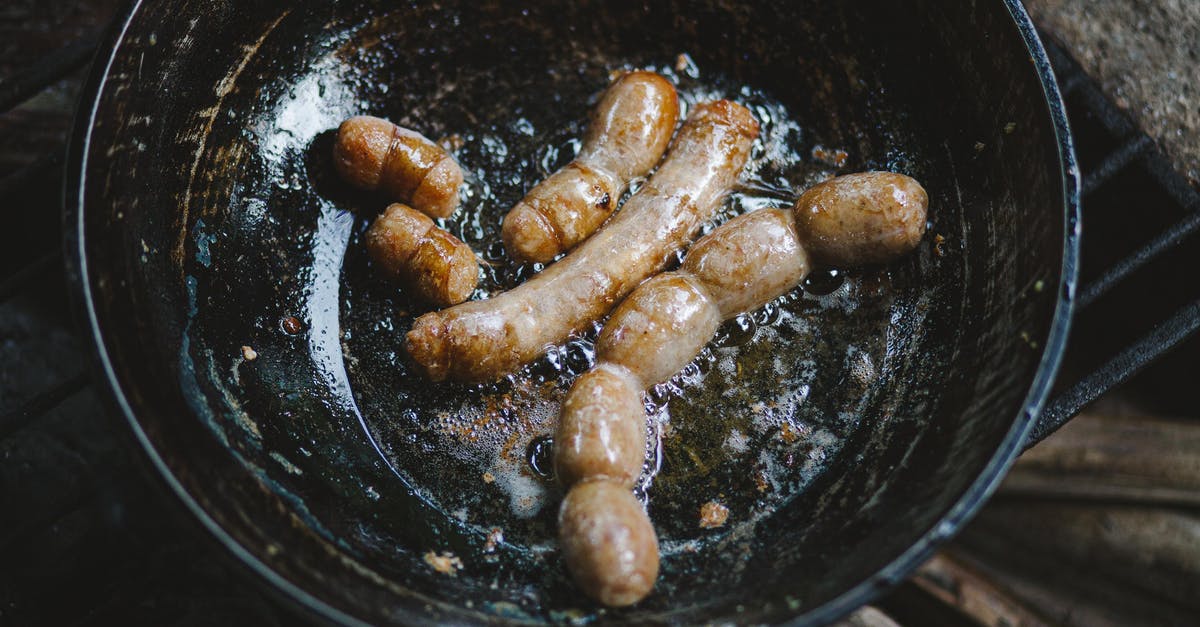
(864, 421)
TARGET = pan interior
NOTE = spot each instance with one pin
(837, 424)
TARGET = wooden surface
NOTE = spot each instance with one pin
(30, 30)
(1098, 525)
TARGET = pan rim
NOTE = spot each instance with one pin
(947, 525)
(989, 479)
(75, 246)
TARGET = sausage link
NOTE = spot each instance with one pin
(419, 255)
(667, 320)
(482, 340)
(608, 542)
(629, 131)
(861, 219)
(374, 154)
(664, 322)
(599, 405)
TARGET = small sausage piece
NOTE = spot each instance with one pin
(648, 333)
(482, 340)
(756, 258)
(861, 219)
(608, 542)
(419, 255)
(374, 154)
(600, 440)
(629, 131)
(667, 320)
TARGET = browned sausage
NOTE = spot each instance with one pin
(419, 255)
(374, 154)
(482, 340)
(628, 133)
(599, 406)
(608, 542)
(667, 320)
(860, 219)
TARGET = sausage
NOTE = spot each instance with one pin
(667, 320)
(373, 154)
(608, 542)
(482, 340)
(861, 219)
(599, 403)
(424, 258)
(629, 131)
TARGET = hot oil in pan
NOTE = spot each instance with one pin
(747, 425)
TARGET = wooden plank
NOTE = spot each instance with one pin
(867, 616)
(988, 603)
(1113, 459)
(29, 30)
(1147, 552)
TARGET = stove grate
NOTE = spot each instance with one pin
(1088, 107)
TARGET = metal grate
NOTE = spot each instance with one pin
(29, 523)
(1120, 154)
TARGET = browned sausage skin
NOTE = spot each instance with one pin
(860, 219)
(374, 154)
(599, 405)
(666, 321)
(422, 257)
(608, 542)
(483, 340)
(629, 131)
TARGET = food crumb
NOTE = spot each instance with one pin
(1009, 128)
(979, 146)
(938, 249)
(494, 538)
(446, 563)
(488, 477)
(713, 515)
(686, 66)
(1039, 285)
(249, 354)
(833, 156)
(291, 325)
(760, 481)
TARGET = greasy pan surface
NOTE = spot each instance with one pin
(863, 423)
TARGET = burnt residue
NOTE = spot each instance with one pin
(836, 425)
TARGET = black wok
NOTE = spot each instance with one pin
(204, 219)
